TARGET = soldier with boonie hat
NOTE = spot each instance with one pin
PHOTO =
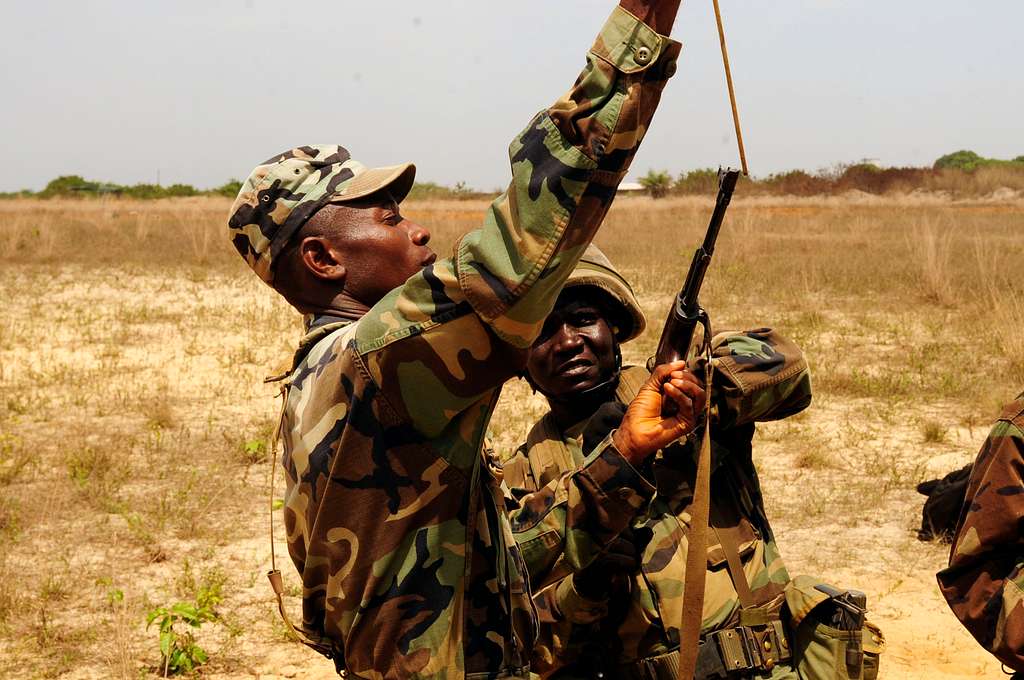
(395, 518)
(284, 191)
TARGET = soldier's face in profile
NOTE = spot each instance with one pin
(576, 348)
(378, 247)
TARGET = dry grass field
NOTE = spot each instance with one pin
(134, 343)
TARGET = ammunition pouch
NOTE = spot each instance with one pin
(826, 646)
(729, 653)
(826, 652)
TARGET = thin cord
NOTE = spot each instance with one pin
(732, 93)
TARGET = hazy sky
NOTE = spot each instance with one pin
(202, 91)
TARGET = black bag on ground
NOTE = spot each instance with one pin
(942, 508)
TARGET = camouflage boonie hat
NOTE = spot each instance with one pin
(595, 270)
(287, 189)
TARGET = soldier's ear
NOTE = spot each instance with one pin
(321, 259)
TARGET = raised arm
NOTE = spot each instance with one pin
(660, 16)
(472, 314)
(566, 166)
(574, 518)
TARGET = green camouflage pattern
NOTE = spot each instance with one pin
(754, 371)
(984, 583)
(393, 509)
(760, 375)
(285, 190)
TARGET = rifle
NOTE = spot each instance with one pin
(686, 313)
(675, 342)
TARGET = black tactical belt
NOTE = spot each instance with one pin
(729, 653)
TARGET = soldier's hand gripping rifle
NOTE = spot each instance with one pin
(686, 312)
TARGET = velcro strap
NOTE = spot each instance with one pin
(732, 645)
(746, 648)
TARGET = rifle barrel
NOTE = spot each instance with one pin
(686, 313)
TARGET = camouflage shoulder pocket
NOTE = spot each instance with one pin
(760, 375)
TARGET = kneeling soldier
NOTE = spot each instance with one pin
(620, 617)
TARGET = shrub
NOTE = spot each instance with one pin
(959, 160)
(968, 161)
(796, 183)
(657, 182)
(700, 181)
(229, 188)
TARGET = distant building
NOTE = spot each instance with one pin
(631, 188)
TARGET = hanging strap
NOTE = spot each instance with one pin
(320, 645)
(697, 542)
(274, 575)
(728, 538)
(276, 582)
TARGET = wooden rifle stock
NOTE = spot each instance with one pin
(686, 311)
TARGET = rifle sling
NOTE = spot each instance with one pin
(697, 545)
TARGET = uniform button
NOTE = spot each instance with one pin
(670, 69)
(768, 645)
(643, 55)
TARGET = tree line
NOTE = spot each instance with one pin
(958, 172)
(943, 175)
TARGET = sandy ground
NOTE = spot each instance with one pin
(854, 540)
(132, 391)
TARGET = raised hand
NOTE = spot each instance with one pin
(645, 428)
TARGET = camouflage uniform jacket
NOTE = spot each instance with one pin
(759, 376)
(394, 518)
(984, 583)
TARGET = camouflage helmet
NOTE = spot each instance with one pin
(284, 191)
(596, 271)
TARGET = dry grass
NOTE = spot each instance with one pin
(133, 344)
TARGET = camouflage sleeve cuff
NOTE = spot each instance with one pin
(576, 608)
(615, 477)
(628, 44)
